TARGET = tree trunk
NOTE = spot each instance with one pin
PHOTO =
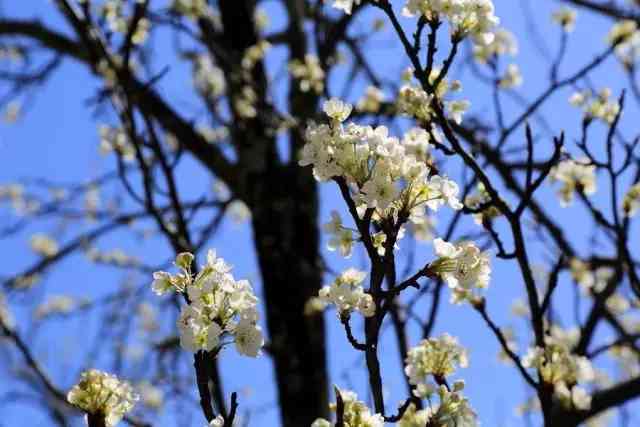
(284, 205)
(96, 420)
(286, 239)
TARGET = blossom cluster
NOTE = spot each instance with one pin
(26, 281)
(463, 267)
(92, 200)
(371, 101)
(624, 35)
(423, 228)
(113, 11)
(308, 73)
(12, 112)
(348, 295)
(254, 54)
(219, 306)
(150, 396)
(11, 191)
(116, 140)
(356, 413)
(626, 358)
(563, 370)
(474, 18)
(6, 318)
(600, 106)
(628, 52)
(631, 201)
(503, 43)
(574, 175)
(244, 100)
(58, 304)
(383, 172)
(415, 102)
(342, 238)
(479, 201)
(104, 395)
(415, 418)
(346, 5)
(208, 79)
(565, 17)
(44, 245)
(15, 194)
(114, 257)
(438, 358)
(589, 280)
(11, 53)
(511, 78)
(261, 19)
(453, 410)
(193, 9)
(212, 135)
(147, 317)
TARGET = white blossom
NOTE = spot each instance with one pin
(628, 52)
(565, 17)
(193, 9)
(414, 101)
(355, 413)
(443, 191)
(208, 79)
(102, 394)
(261, 19)
(453, 410)
(503, 43)
(456, 109)
(308, 73)
(113, 11)
(384, 173)
(511, 78)
(348, 295)
(248, 338)
(480, 200)
(599, 107)
(574, 176)
(55, 304)
(337, 110)
(473, 18)
(44, 245)
(341, 238)
(6, 318)
(557, 364)
(622, 31)
(631, 201)
(254, 54)
(219, 306)
(371, 101)
(150, 395)
(439, 357)
(463, 266)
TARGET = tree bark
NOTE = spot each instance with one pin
(286, 240)
(96, 420)
(284, 204)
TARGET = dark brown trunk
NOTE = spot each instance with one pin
(96, 420)
(284, 205)
(286, 239)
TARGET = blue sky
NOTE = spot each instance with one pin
(57, 139)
